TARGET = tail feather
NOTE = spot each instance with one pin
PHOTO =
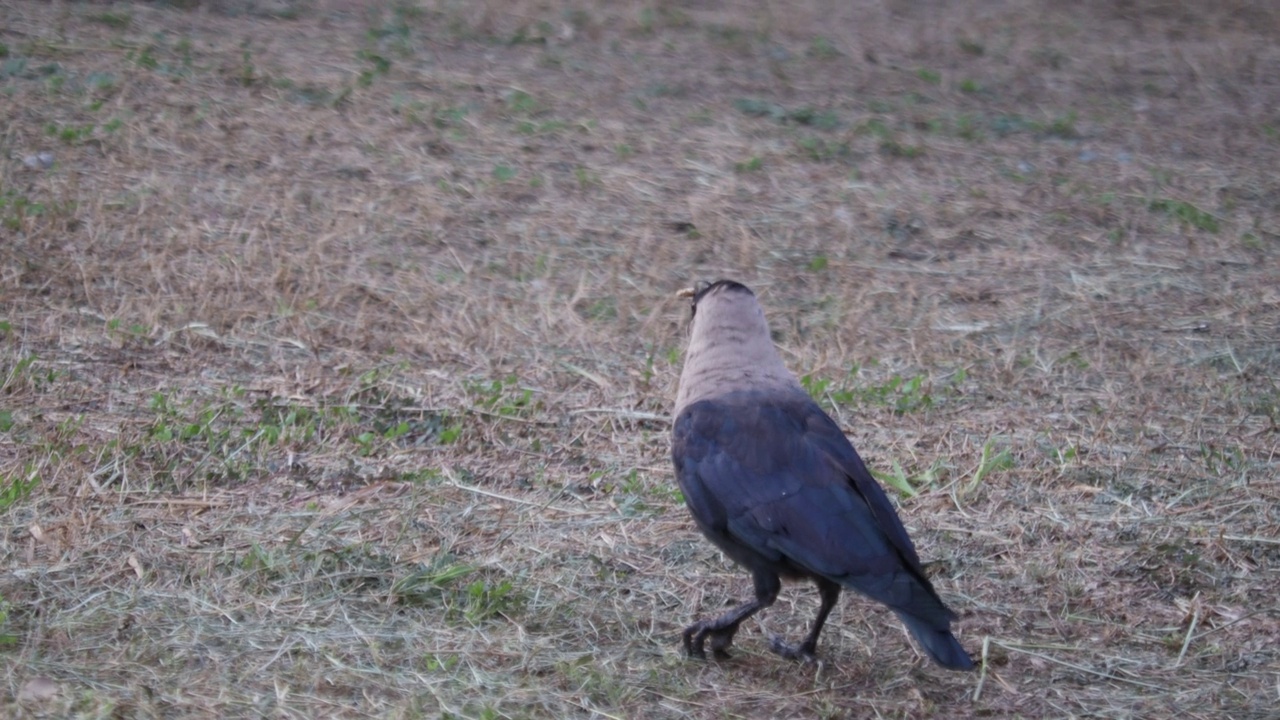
(941, 645)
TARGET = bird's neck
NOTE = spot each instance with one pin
(735, 361)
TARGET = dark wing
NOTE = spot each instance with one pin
(776, 483)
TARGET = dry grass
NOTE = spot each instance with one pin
(338, 342)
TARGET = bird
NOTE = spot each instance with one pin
(772, 481)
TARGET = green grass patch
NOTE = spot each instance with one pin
(1186, 214)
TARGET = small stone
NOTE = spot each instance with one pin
(39, 161)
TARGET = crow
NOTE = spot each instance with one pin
(773, 482)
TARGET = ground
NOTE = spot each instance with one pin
(338, 343)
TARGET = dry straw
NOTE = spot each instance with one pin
(338, 341)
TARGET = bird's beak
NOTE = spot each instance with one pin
(686, 293)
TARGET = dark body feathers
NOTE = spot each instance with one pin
(774, 483)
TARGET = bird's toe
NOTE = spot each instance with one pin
(696, 636)
(720, 642)
(801, 651)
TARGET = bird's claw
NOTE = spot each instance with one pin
(697, 634)
(802, 651)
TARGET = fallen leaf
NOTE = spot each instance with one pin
(37, 689)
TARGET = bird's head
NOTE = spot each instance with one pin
(724, 309)
(730, 347)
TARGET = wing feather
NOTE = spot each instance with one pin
(775, 483)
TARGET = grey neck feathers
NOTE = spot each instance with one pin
(730, 349)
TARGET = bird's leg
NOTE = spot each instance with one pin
(722, 629)
(830, 593)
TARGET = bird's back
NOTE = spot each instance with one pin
(774, 483)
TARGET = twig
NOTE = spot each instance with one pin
(498, 496)
(982, 676)
(1081, 668)
(599, 381)
(1243, 538)
(1186, 642)
(180, 502)
(512, 418)
(1226, 625)
(628, 414)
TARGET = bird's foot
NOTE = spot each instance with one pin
(697, 634)
(800, 651)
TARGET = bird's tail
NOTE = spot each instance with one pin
(941, 645)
